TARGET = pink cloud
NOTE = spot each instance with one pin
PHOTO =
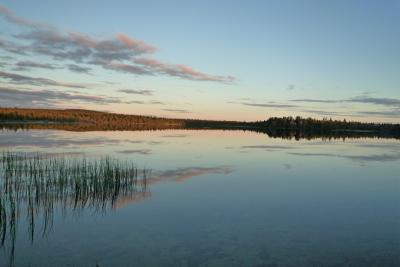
(119, 53)
(180, 70)
(135, 44)
(11, 17)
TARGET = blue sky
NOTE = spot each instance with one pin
(244, 60)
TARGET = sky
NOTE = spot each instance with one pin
(229, 60)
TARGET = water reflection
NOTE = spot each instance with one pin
(37, 186)
(358, 158)
(282, 203)
(282, 133)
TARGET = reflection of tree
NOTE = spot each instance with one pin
(309, 129)
(285, 127)
(38, 186)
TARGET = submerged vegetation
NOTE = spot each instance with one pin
(285, 127)
(36, 185)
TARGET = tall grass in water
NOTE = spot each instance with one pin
(38, 184)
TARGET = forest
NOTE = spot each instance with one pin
(283, 127)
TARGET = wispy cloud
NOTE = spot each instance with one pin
(316, 100)
(391, 104)
(290, 87)
(180, 70)
(121, 53)
(376, 100)
(29, 98)
(78, 69)
(358, 99)
(11, 17)
(12, 47)
(11, 97)
(268, 105)
(176, 110)
(136, 92)
(3, 64)
(394, 113)
(22, 79)
(329, 113)
(152, 102)
(156, 102)
(26, 65)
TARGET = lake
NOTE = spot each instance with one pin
(215, 198)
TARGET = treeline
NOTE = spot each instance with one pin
(285, 127)
(85, 118)
(299, 128)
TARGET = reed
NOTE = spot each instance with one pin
(38, 184)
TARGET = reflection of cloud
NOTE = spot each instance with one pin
(287, 166)
(246, 149)
(362, 158)
(380, 145)
(126, 200)
(31, 139)
(49, 139)
(177, 175)
(175, 135)
(136, 151)
(155, 142)
(121, 53)
(184, 174)
(46, 155)
(267, 147)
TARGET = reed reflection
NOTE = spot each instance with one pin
(37, 185)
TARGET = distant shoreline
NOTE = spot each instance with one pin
(285, 127)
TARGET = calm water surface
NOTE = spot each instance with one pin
(222, 198)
